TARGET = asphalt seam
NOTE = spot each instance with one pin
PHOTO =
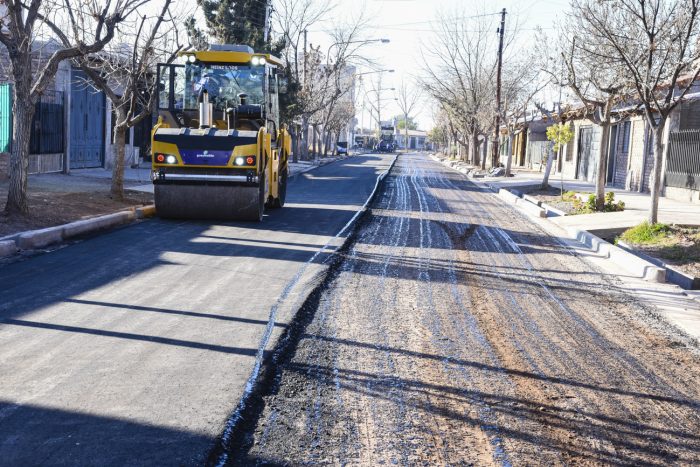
(220, 452)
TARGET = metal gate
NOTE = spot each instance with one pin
(683, 165)
(47, 124)
(87, 118)
(5, 117)
(584, 153)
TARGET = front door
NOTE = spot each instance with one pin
(584, 153)
(87, 118)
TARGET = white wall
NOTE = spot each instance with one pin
(132, 153)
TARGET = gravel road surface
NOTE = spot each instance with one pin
(454, 332)
(134, 347)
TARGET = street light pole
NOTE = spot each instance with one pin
(368, 41)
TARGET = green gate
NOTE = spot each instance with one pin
(5, 117)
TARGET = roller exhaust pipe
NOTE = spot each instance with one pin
(206, 110)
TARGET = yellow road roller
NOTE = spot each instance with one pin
(218, 150)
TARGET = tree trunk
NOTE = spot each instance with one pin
(484, 152)
(119, 149)
(474, 148)
(509, 160)
(304, 139)
(23, 112)
(326, 143)
(548, 169)
(602, 166)
(656, 171)
(314, 140)
(295, 143)
(602, 174)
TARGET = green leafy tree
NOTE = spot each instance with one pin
(560, 134)
(235, 21)
(401, 123)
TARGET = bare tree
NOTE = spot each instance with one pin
(656, 41)
(459, 72)
(291, 21)
(521, 84)
(81, 28)
(597, 78)
(125, 72)
(408, 97)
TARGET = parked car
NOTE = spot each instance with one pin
(342, 148)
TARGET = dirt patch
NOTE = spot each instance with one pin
(680, 248)
(553, 197)
(47, 209)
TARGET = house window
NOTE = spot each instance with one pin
(624, 137)
(569, 151)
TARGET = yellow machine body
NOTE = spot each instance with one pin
(218, 150)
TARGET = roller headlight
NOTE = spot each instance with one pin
(244, 160)
(255, 61)
(166, 158)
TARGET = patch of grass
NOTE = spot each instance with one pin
(569, 196)
(647, 234)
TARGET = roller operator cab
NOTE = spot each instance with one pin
(218, 150)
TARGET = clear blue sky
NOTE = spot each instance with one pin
(407, 23)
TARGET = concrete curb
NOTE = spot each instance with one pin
(628, 261)
(635, 265)
(673, 275)
(146, 211)
(36, 239)
(97, 223)
(7, 248)
(522, 203)
(533, 200)
(554, 211)
(530, 208)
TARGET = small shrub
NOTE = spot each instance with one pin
(611, 205)
(646, 233)
(569, 196)
(588, 207)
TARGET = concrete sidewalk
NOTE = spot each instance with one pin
(139, 179)
(636, 204)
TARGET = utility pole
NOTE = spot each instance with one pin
(304, 76)
(379, 104)
(304, 118)
(268, 11)
(495, 155)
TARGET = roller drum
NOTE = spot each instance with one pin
(221, 202)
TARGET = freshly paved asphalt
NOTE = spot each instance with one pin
(134, 347)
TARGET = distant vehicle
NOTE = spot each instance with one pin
(342, 147)
(386, 139)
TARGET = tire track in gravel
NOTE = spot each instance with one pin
(455, 332)
(615, 350)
